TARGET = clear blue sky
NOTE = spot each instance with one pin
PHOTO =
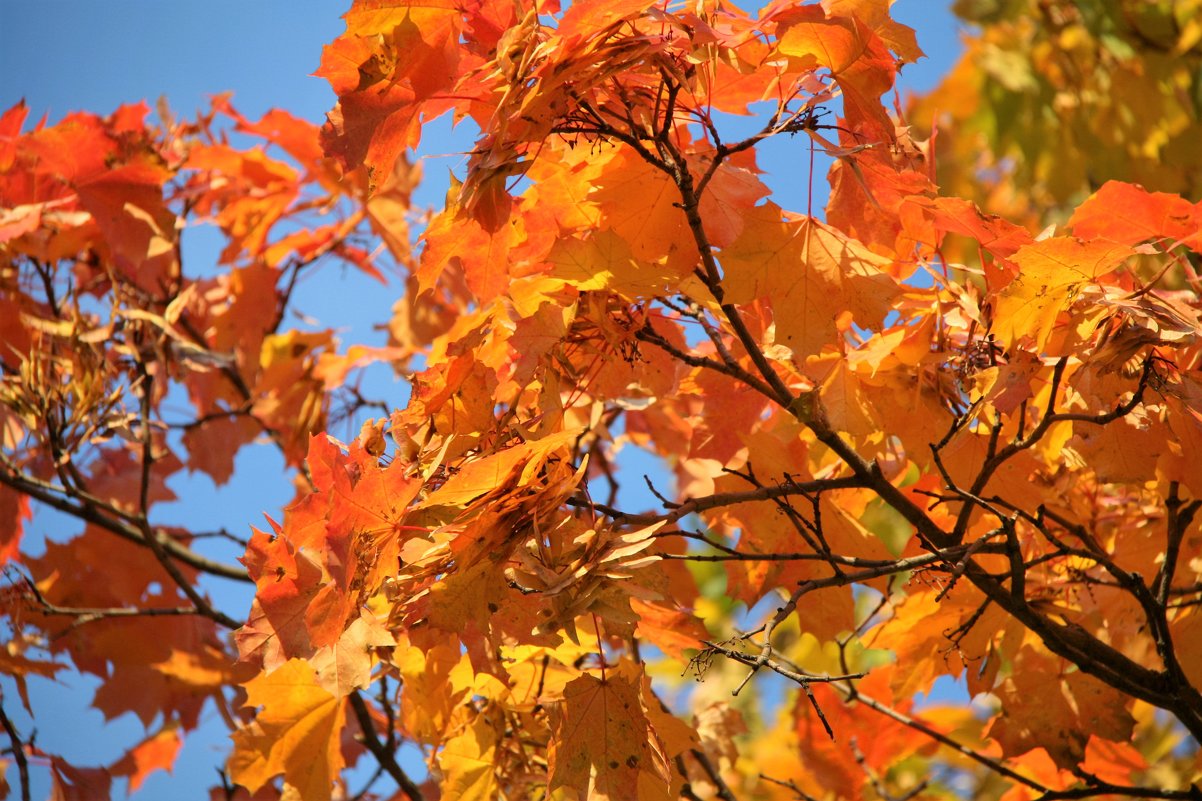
(68, 55)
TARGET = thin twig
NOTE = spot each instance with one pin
(193, 594)
(89, 614)
(18, 748)
(717, 500)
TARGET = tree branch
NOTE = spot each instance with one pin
(192, 593)
(719, 500)
(49, 494)
(384, 756)
(18, 749)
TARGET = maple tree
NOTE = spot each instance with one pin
(888, 467)
(1053, 98)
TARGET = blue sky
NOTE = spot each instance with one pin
(67, 55)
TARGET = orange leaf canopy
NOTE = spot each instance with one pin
(909, 441)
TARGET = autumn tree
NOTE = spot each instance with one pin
(887, 468)
(1053, 98)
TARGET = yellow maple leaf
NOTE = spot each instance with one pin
(297, 733)
(346, 665)
(604, 260)
(602, 744)
(642, 206)
(468, 763)
(1051, 272)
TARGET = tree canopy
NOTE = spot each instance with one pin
(906, 441)
(1053, 98)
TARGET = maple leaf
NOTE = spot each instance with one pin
(248, 207)
(292, 590)
(15, 665)
(812, 273)
(1185, 631)
(868, 742)
(70, 783)
(213, 444)
(346, 666)
(586, 18)
(1130, 214)
(642, 206)
(996, 234)
(854, 54)
(461, 242)
(14, 511)
(604, 260)
(673, 631)
(434, 684)
(479, 477)
(1113, 762)
(1051, 273)
(392, 58)
(1122, 452)
(296, 136)
(468, 763)
(717, 726)
(1059, 714)
(295, 733)
(127, 204)
(157, 752)
(602, 740)
(918, 627)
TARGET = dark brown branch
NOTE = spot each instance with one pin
(18, 749)
(721, 499)
(148, 535)
(726, 367)
(789, 785)
(714, 334)
(1071, 642)
(803, 679)
(1179, 686)
(1180, 515)
(809, 530)
(49, 494)
(220, 414)
(89, 614)
(1066, 640)
(383, 755)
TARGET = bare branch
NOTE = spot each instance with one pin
(18, 750)
(385, 756)
(148, 535)
(56, 497)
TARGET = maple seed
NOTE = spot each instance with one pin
(371, 437)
